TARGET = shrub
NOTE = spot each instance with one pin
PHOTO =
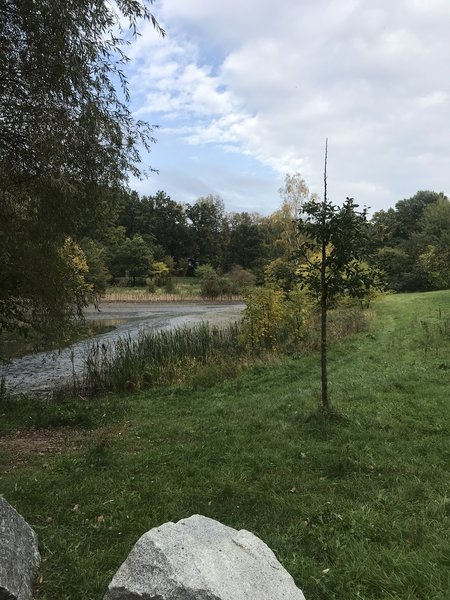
(213, 287)
(205, 271)
(160, 272)
(282, 274)
(137, 281)
(264, 319)
(299, 310)
(240, 278)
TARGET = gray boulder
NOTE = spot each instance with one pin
(201, 559)
(19, 556)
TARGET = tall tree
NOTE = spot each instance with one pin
(294, 194)
(281, 270)
(434, 241)
(67, 142)
(408, 212)
(207, 217)
(399, 236)
(246, 240)
(169, 226)
(335, 242)
(129, 214)
(131, 257)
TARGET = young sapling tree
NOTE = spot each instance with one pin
(334, 241)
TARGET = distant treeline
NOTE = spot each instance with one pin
(150, 235)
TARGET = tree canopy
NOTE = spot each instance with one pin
(335, 243)
(411, 242)
(68, 143)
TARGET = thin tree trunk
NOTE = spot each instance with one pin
(324, 294)
(323, 337)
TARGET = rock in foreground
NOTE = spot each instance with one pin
(19, 556)
(201, 559)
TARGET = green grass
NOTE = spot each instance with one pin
(353, 508)
(188, 286)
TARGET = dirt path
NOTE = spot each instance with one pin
(43, 371)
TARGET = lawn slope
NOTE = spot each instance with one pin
(356, 508)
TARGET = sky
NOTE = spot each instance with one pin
(247, 91)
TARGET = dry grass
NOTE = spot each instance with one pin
(145, 297)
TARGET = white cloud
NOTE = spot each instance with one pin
(272, 81)
(433, 99)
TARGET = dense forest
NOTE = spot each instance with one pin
(150, 235)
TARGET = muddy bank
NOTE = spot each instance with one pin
(41, 372)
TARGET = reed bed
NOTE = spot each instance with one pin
(144, 297)
(157, 357)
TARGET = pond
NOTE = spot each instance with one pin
(41, 372)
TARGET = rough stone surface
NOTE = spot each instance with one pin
(19, 556)
(201, 559)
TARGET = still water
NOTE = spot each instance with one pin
(43, 371)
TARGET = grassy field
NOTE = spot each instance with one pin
(353, 508)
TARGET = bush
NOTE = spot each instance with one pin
(98, 275)
(282, 274)
(205, 271)
(240, 278)
(124, 282)
(213, 287)
(275, 321)
(264, 319)
(299, 310)
(160, 273)
(138, 281)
